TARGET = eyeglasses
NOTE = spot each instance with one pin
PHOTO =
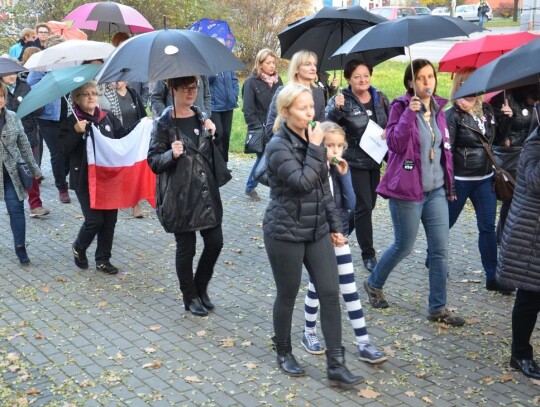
(88, 94)
(43, 32)
(188, 89)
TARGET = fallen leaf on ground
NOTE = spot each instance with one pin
(201, 333)
(469, 390)
(155, 328)
(60, 279)
(228, 262)
(33, 391)
(246, 343)
(410, 393)
(250, 365)
(417, 338)
(39, 336)
(488, 333)
(237, 251)
(507, 377)
(389, 351)
(102, 304)
(12, 357)
(537, 382)
(227, 342)
(472, 321)
(192, 379)
(154, 365)
(487, 379)
(290, 396)
(45, 289)
(426, 399)
(368, 394)
(150, 350)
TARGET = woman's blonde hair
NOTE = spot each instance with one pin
(461, 76)
(285, 100)
(80, 90)
(259, 59)
(299, 59)
(334, 128)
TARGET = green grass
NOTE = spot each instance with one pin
(501, 22)
(388, 77)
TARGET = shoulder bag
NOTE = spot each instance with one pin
(25, 175)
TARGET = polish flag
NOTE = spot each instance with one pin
(118, 173)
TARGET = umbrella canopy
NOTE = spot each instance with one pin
(108, 16)
(477, 53)
(167, 54)
(8, 66)
(325, 31)
(68, 53)
(66, 31)
(217, 29)
(406, 31)
(516, 68)
(55, 85)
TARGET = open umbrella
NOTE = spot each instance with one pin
(217, 29)
(68, 53)
(516, 68)
(477, 53)
(66, 31)
(54, 85)
(108, 16)
(325, 31)
(8, 66)
(167, 54)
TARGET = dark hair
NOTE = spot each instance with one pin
(522, 93)
(417, 64)
(175, 83)
(352, 65)
(119, 38)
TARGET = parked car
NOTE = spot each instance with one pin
(393, 12)
(469, 12)
(422, 11)
(440, 11)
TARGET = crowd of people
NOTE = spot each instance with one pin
(323, 184)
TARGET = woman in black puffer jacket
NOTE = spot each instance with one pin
(470, 123)
(300, 225)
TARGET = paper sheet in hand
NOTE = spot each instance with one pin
(372, 143)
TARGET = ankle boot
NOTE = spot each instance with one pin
(20, 251)
(285, 359)
(338, 374)
(195, 307)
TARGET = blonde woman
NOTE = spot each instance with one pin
(470, 123)
(298, 179)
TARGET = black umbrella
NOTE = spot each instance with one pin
(167, 54)
(325, 31)
(516, 68)
(9, 66)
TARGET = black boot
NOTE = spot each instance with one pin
(22, 255)
(338, 374)
(195, 307)
(285, 358)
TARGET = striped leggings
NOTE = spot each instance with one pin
(347, 287)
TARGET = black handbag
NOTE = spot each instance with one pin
(25, 175)
(254, 142)
(260, 175)
(219, 167)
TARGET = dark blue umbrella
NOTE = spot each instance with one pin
(217, 29)
(8, 66)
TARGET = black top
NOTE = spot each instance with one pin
(128, 109)
(189, 126)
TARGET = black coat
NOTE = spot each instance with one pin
(517, 128)
(256, 99)
(301, 207)
(73, 146)
(187, 194)
(519, 256)
(30, 121)
(470, 158)
(353, 117)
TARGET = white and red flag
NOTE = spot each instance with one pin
(118, 173)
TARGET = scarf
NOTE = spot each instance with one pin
(95, 118)
(270, 80)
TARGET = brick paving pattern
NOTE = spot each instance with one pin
(79, 337)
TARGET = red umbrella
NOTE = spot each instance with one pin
(67, 32)
(477, 53)
(108, 16)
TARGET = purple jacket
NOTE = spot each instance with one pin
(403, 176)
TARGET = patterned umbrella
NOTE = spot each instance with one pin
(217, 29)
(66, 31)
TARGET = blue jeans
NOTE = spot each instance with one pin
(484, 201)
(251, 183)
(406, 217)
(15, 208)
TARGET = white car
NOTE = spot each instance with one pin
(440, 11)
(469, 12)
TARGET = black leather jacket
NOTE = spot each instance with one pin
(187, 193)
(470, 158)
(517, 128)
(352, 116)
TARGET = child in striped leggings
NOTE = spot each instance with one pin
(344, 198)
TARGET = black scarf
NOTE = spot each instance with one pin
(94, 118)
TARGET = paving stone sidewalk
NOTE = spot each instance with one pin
(74, 337)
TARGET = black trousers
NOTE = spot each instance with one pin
(50, 131)
(524, 314)
(96, 222)
(286, 259)
(223, 122)
(192, 286)
(364, 184)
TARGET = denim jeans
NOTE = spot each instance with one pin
(251, 183)
(484, 201)
(15, 208)
(406, 217)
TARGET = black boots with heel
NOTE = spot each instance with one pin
(338, 374)
(195, 307)
(285, 359)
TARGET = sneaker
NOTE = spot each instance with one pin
(107, 268)
(375, 296)
(369, 353)
(39, 211)
(311, 344)
(446, 317)
(79, 256)
(64, 196)
(137, 211)
(494, 285)
(253, 195)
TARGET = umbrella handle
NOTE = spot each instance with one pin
(70, 107)
(412, 70)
